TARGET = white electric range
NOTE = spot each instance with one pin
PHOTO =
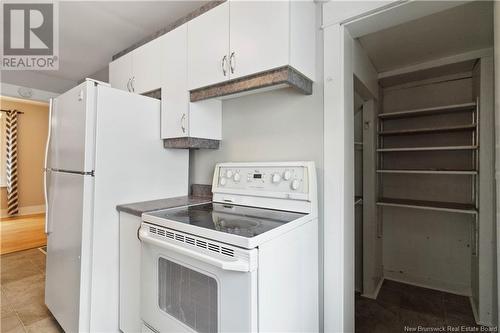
(245, 262)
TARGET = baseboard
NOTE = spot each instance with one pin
(446, 287)
(377, 290)
(27, 210)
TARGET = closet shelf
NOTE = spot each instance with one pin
(430, 171)
(428, 111)
(358, 201)
(429, 205)
(383, 150)
(469, 127)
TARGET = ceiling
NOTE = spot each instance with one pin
(91, 32)
(453, 31)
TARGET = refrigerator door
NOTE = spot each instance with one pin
(69, 224)
(71, 141)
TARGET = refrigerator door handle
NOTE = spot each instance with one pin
(46, 173)
(46, 194)
(49, 134)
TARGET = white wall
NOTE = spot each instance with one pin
(279, 125)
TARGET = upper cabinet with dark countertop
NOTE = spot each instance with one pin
(234, 47)
(183, 122)
(241, 38)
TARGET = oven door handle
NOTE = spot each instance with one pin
(228, 265)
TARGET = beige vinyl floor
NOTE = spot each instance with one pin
(22, 286)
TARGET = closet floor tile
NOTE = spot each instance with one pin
(400, 306)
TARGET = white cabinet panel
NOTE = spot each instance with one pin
(180, 117)
(120, 72)
(259, 36)
(146, 62)
(208, 42)
(175, 94)
(130, 276)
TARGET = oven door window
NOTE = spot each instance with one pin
(188, 295)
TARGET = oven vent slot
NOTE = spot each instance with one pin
(165, 233)
(227, 252)
(213, 247)
(190, 241)
(201, 244)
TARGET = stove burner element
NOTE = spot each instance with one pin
(240, 227)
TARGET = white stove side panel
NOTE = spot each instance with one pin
(288, 281)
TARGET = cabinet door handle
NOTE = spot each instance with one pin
(232, 62)
(132, 84)
(224, 64)
(128, 84)
(183, 128)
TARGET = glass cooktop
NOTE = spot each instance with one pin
(239, 220)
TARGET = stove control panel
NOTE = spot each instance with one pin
(263, 178)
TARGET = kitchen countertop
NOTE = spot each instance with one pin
(138, 208)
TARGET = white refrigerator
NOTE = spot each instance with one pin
(103, 149)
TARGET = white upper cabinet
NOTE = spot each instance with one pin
(120, 72)
(259, 36)
(139, 70)
(208, 42)
(174, 92)
(146, 62)
(241, 38)
(180, 117)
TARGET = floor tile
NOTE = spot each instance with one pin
(399, 305)
(32, 312)
(453, 298)
(6, 310)
(417, 302)
(389, 296)
(11, 324)
(17, 269)
(415, 319)
(25, 291)
(48, 325)
(460, 311)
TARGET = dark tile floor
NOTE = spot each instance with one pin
(22, 289)
(401, 305)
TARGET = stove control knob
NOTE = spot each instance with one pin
(236, 177)
(229, 174)
(223, 181)
(276, 178)
(295, 184)
(287, 175)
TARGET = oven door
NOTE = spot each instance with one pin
(191, 284)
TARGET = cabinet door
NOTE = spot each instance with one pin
(120, 72)
(259, 36)
(175, 94)
(208, 44)
(146, 62)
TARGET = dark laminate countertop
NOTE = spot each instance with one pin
(148, 206)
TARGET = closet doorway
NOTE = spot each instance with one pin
(423, 152)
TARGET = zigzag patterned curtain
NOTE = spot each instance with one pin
(11, 163)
